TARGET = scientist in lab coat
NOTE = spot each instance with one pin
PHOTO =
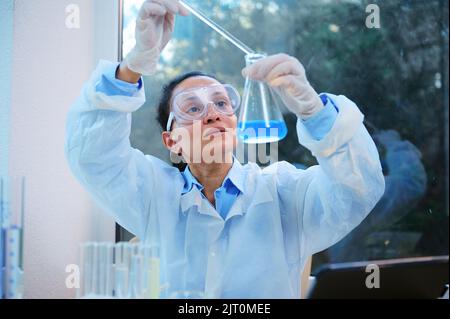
(224, 229)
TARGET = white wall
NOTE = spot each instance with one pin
(6, 30)
(50, 64)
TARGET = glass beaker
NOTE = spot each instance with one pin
(260, 118)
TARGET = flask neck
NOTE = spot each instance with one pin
(254, 57)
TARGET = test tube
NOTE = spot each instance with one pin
(12, 270)
(85, 261)
(110, 273)
(12, 215)
(97, 270)
(123, 253)
(152, 271)
(95, 287)
(105, 261)
(2, 248)
(135, 282)
(127, 252)
(118, 249)
(227, 35)
(120, 281)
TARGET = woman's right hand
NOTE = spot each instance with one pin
(154, 27)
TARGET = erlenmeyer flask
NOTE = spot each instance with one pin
(260, 118)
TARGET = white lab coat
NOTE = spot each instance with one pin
(283, 216)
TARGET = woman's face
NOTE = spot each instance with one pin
(211, 139)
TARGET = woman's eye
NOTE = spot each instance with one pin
(222, 104)
(193, 109)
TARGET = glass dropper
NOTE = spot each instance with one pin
(227, 35)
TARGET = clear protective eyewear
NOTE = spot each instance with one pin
(192, 104)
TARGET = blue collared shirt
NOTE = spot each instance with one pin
(225, 195)
(111, 86)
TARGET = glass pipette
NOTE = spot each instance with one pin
(227, 35)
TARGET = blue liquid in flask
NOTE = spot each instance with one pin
(257, 132)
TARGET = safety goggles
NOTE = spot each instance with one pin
(193, 104)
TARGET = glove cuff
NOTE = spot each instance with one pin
(143, 62)
(316, 105)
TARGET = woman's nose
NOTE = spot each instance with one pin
(212, 115)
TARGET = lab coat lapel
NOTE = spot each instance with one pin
(255, 193)
(194, 198)
(261, 193)
(237, 208)
(189, 200)
(211, 227)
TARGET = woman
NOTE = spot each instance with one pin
(225, 229)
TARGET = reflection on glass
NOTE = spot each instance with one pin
(397, 74)
(406, 183)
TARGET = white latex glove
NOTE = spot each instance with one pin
(287, 76)
(154, 27)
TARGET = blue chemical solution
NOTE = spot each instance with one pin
(256, 132)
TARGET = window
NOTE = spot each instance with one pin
(397, 74)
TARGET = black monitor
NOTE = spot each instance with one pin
(424, 277)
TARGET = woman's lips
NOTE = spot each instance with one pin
(214, 131)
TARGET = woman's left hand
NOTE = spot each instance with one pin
(287, 76)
